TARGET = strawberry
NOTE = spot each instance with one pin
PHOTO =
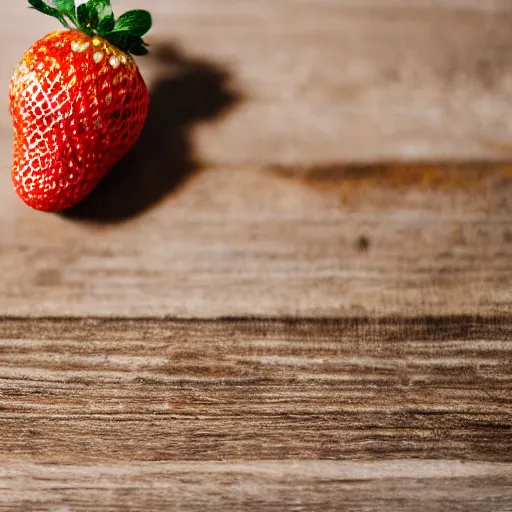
(78, 102)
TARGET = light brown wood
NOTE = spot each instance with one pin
(328, 177)
(111, 391)
(262, 486)
(341, 241)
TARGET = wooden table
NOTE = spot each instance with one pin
(296, 293)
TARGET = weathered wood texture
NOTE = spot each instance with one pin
(346, 241)
(259, 189)
(90, 391)
(261, 486)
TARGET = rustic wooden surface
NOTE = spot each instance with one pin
(348, 241)
(297, 290)
(118, 397)
(262, 486)
(246, 389)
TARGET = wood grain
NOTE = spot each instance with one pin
(402, 240)
(90, 391)
(262, 486)
(296, 292)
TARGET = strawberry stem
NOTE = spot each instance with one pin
(95, 17)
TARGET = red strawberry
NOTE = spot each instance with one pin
(78, 102)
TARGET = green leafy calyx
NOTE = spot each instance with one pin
(95, 17)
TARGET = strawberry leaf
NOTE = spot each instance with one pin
(128, 42)
(101, 15)
(83, 15)
(106, 25)
(136, 22)
(95, 17)
(87, 18)
(101, 7)
(41, 6)
(65, 6)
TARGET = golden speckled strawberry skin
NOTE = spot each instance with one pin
(78, 106)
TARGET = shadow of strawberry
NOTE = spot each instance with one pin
(163, 159)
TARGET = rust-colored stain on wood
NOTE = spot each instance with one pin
(471, 178)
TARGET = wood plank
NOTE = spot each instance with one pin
(262, 486)
(324, 80)
(111, 391)
(321, 241)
